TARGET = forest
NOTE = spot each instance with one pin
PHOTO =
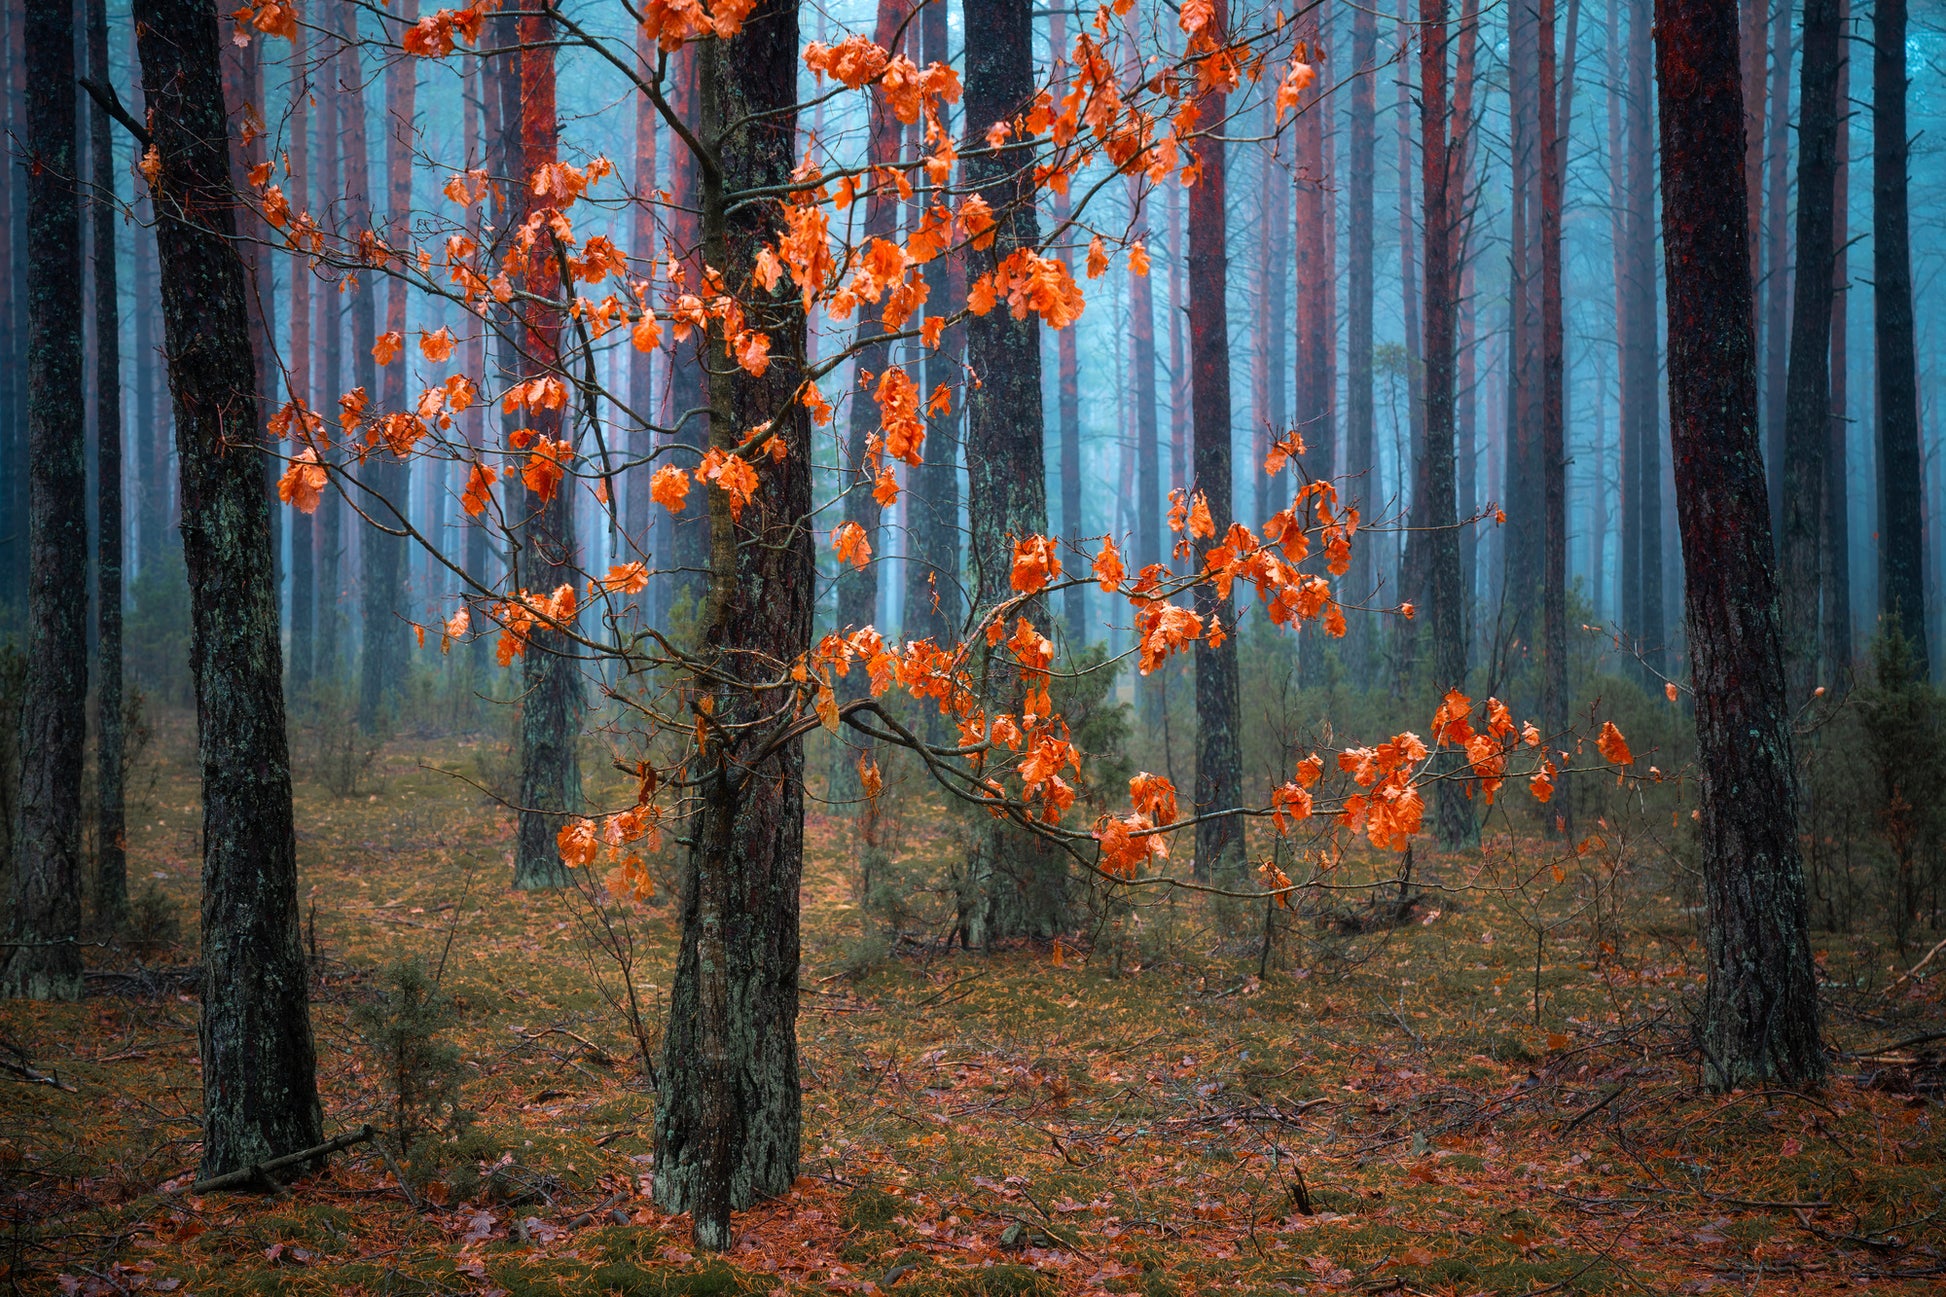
(972, 648)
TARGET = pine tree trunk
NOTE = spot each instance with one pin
(727, 1124)
(1642, 413)
(1554, 456)
(1014, 885)
(329, 628)
(1412, 569)
(13, 298)
(1778, 269)
(1315, 400)
(111, 865)
(1438, 510)
(688, 382)
(1808, 409)
(388, 478)
(1901, 527)
(1360, 437)
(303, 620)
(1760, 1019)
(932, 591)
(548, 557)
(1835, 555)
(357, 166)
(43, 961)
(1219, 752)
(1149, 497)
(259, 1088)
(1459, 202)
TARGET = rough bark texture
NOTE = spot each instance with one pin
(13, 320)
(1554, 456)
(357, 166)
(111, 864)
(727, 1124)
(1778, 268)
(551, 701)
(1808, 407)
(1760, 1018)
(1219, 750)
(331, 632)
(1316, 403)
(1014, 885)
(687, 391)
(1440, 512)
(43, 962)
(1901, 575)
(259, 1086)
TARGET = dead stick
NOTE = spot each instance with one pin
(250, 1175)
(1915, 968)
(411, 1198)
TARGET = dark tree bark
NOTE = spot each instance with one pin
(1901, 564)
(688, 381)
(727, 1125)
(1835, 555)
(243, 93)
(933, 599)
(1412, 567)
(111, 864)
(1315, 404)
(1778, 271)
(1526, 502)
(1808, 410)
(388, 478)
(1554, 455)
(1760, 1019)
(1219, 751)
(551, 696)
(259, 1085)
(1459, 201)
(1361, 166)
(43, 961)
(1439, 511)
(1641, 406)
(1016, 886)
(13, 333)
(303, 620)
(1149, 495)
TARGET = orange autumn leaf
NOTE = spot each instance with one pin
(849, 542)
(626, 578)
(387, 348)
(1037, 560)
(302, 484)
(1613, 747)
(1201, 525)
(479, 491)
(436, 346)
(1108, 566)
(669, 488)
(546, 466)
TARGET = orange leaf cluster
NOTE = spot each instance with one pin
(849, 542)
(432, 37)
(733, 474)
(519, 614)
(1037, 560)
(302, 484)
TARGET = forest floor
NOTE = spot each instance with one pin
(1377, 1115)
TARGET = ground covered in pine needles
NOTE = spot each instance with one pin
(1496, 1096)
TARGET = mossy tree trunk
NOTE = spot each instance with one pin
(1012, 885)
(259, 1067)
(728, 1120)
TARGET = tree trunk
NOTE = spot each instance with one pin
(1641, 411)
(551, 704)
(388, 478)
(259, 1086)
(1901, 530)
(727, 1124)
(1315, 401)
(1149, 495)
(932, 592)
(357, 165)
(688, 382)
(1808, 409)
(1554, 455)
(1412, 571)
(1760, 1019)
(44, 961)
(330, 630)
(1459, 203)
(1835, 555)
(1438, 510)
(303, 620)
(1015, 886)
(477, 114)
(1360, 470)
(1219, 753)
(1067, 351)
(111, 865)
(13, 299)
(1778, 271)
